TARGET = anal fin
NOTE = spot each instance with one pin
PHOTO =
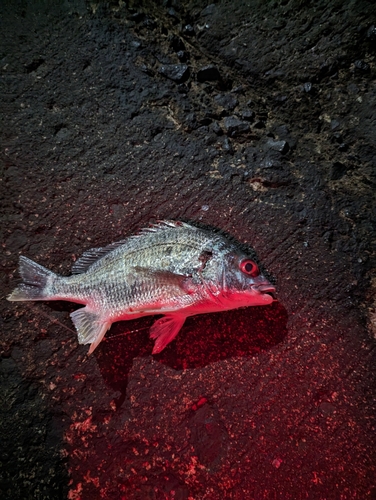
(165, 329)
(90, 327)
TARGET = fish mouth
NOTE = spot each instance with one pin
(266, 289)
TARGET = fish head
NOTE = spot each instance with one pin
(238, 281)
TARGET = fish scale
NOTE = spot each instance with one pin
(171, 268)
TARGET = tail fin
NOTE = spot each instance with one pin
(37, 281)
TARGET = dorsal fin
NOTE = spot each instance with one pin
(163, 225)
(90, 256)
(94, 254)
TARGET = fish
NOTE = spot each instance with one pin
(170, 268)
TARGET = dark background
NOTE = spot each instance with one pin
(255, 117)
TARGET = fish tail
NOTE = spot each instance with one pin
(36, 283)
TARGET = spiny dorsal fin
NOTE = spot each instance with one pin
(94, 254)
(90, 256)
(163, 225)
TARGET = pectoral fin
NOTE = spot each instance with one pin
(165, 330)
(90, 326)
(163, 278)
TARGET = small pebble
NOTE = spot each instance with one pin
(176, 72)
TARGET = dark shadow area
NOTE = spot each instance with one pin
(204, 339)
(30, 442)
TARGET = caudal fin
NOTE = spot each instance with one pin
(36, 282)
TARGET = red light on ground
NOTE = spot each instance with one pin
(199, 403)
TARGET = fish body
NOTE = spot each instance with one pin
(170, 268)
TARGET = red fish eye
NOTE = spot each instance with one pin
(249, 267)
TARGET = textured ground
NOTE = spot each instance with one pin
(254, 117)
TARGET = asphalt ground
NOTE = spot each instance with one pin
(254, 118)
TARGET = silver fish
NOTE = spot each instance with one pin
(170, 268)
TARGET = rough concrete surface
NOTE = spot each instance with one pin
(254, 117)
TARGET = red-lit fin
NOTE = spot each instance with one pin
(165, 330)
(90, 327)
(93, 255)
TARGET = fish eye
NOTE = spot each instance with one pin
(249, 267)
